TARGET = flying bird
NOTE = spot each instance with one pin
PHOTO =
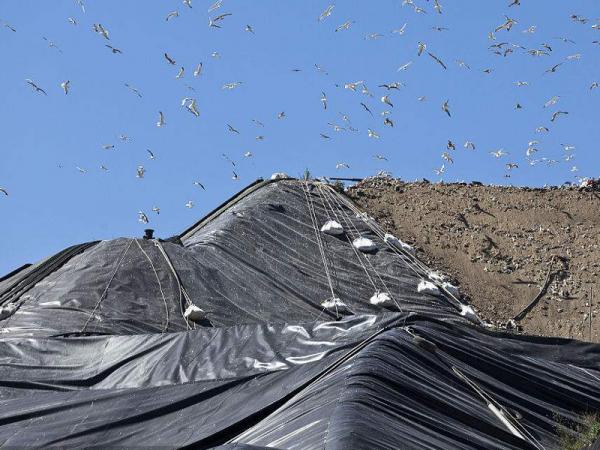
(470, 145)
(189, 204)
(180, 73)
(169, 59)
(214, 21)
(386, 99)
(232, 130)
(215, 5)
(150, 154)
(35, 87)
(156, 209)
(556, 114)
(200, 185)
(52, 44)
(161, 119)
(499, 153)
(345, 26)
(133, 89)
(65, 86)
(98, 28)
(232, 85)
(553, 68)
(506, 25)
(198, 70)
(143, 218)
(171, 15)
(404, 66)
(446, 108)
(400, 30)
(9, 26)
(388, 122)
(193, 108)
(372, 134)
(366, 108)
(324, 100)
(438, 60)
(140, 171)
(249, 29)
(326, 13)
(113, 49)
(552, 101)
(421, 48)
(4, 191)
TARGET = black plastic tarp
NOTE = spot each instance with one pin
(95, 349)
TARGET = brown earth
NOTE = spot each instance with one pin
(501, 245)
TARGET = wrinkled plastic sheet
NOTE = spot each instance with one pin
(97, 351)
(362, 382)
(256, 262)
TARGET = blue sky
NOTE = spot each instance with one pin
(44, 138)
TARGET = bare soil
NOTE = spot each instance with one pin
(502, 245)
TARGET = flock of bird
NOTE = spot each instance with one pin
(499, 43)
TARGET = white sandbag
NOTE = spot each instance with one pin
(380, 297)
(333, 228)
(194, 313)
(436, 277)
(279, 176)
(468, 312)
(395, 242)
(333, 303)
(7, 310)
(451, 288)
(427, 287)
(364, 245)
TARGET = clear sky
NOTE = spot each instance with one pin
(51, 204)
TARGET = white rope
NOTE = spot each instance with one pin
(159, 286)
(349, 220)
(499, 411)
(112, 277)
(313, 219)
(353, 248)
(414, 261)
(179, 284)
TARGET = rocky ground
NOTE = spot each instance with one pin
(503, 245)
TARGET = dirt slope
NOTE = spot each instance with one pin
(501, 244)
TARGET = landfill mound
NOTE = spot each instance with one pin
(286, 318)
(507, 247)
